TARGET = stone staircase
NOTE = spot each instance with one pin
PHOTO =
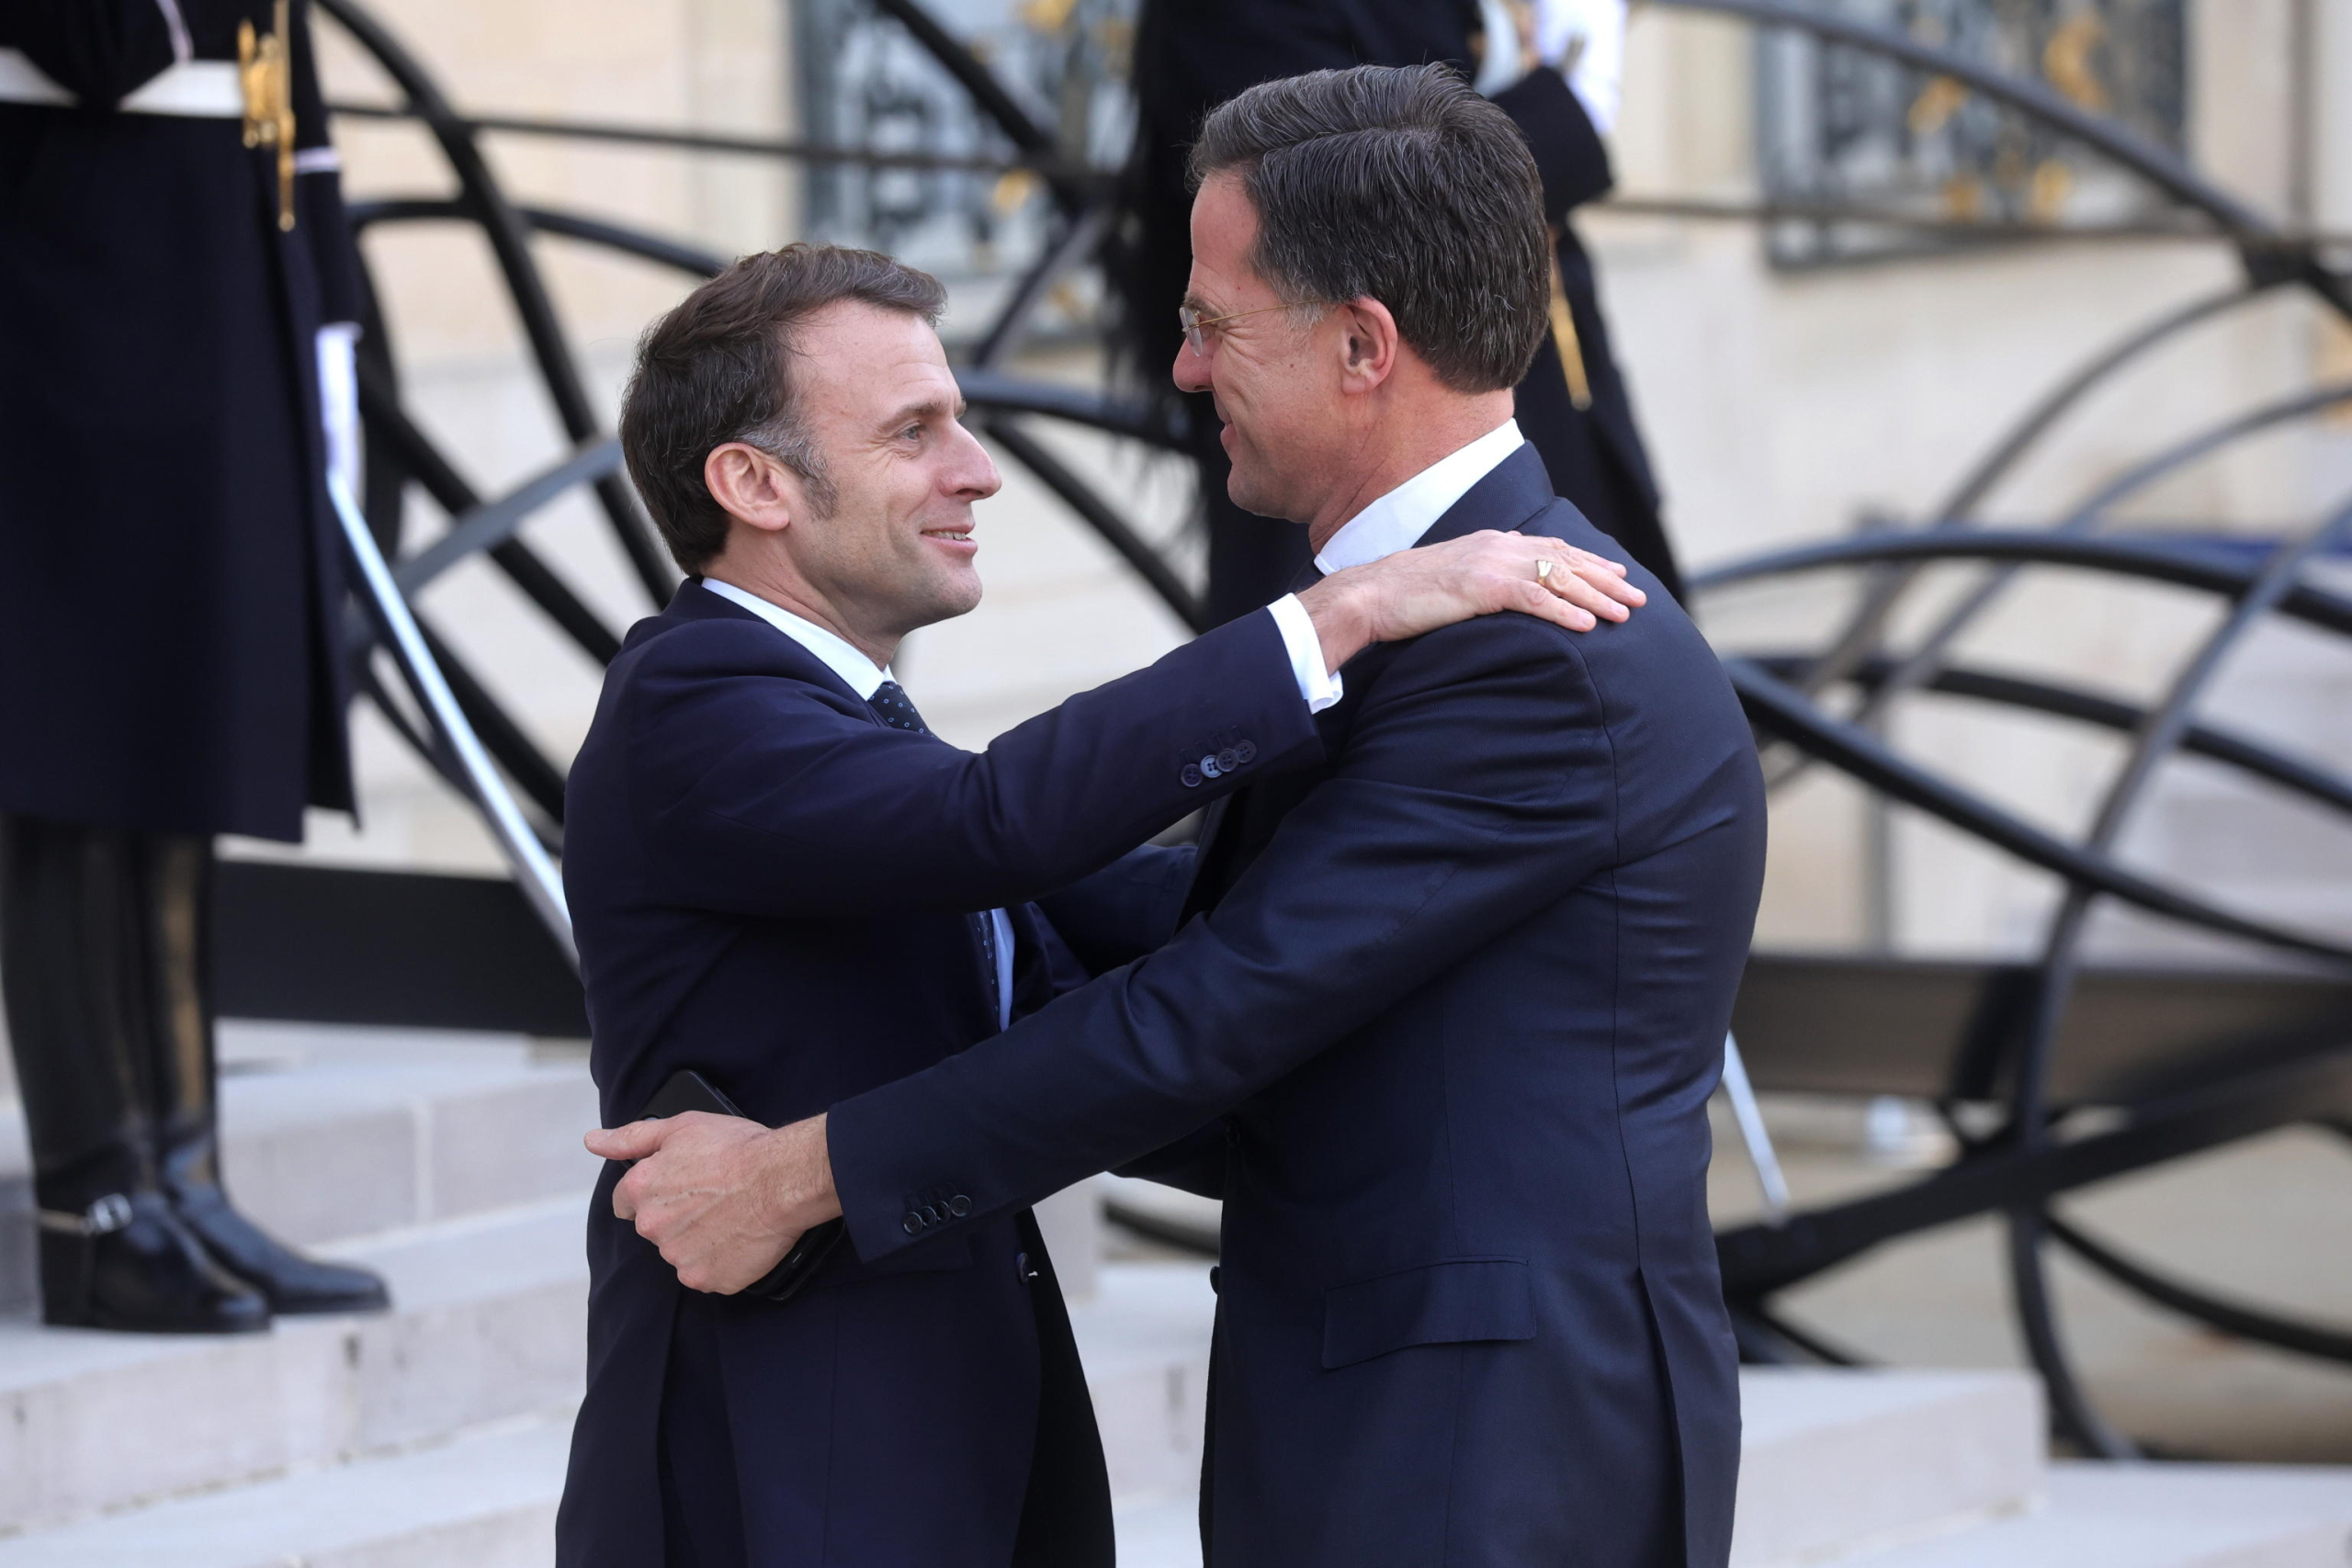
(436, 1433)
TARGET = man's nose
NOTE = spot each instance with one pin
(1191, 371)
(975, 476)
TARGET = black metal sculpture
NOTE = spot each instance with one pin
(2174, 1064)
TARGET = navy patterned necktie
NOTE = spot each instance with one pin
(890, 701)
(893, 708)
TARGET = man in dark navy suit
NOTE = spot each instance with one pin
(781, 879)
(1437, 1017)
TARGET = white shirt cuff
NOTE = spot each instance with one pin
(1319, 686)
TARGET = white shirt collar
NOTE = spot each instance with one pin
(1398, 520)
(859, 673)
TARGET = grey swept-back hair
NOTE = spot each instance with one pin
(1401, 185)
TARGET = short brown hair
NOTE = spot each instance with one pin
(717, 369)
(1398, 184)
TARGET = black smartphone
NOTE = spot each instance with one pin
(689, 1091)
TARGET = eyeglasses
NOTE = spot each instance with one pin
(1192, 321)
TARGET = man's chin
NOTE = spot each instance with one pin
(1245, 492)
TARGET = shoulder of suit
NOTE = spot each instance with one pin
(669, 649)
(1484, 647)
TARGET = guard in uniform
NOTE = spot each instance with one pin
(1194, 54)
(171, 245)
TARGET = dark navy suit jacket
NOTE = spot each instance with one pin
(1460, 997)
(772, 886)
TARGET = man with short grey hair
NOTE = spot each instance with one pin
(1438, 1019)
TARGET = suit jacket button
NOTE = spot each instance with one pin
(930, 1214)
(959, 1205)
(1228, 759)
(1208, 764)
(1021, 1267)
(911, 1224)
(1191, 776)
(1247, 753)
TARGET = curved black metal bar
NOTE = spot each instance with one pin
(2267, 259)
(490, 526)
(2060, 966)
(1131, 417)
(988, 93)
(1776, 707)
(1767, 1338)
(2247, 1323)
(2314, 1085)
(2303, 778)
(450, 491)
(510, 245)
(2146, 560)
(676, 254)
(1080, 498)
(2020, 437)
(2087, 515)
(540, 780)
(1199, 1240)
(1866, 626)
(781, 148)
(1079, 241)
(2062, 960)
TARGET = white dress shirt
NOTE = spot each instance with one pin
(1398, 520)
(1319, 687)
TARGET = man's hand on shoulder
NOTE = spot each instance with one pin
(723, 1198)
(1417, 590)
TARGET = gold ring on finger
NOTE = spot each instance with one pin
(1543, 571)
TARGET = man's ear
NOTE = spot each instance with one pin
(1368, 345)
(752, 487)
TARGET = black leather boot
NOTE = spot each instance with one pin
(182, 1076)
(113, 1254)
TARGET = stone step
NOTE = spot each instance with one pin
(484, 1500)
(2151, 1516)
(343, 1430)
(336, 1133)
(1828, 1458)
(343, 1469)
(488, 1324)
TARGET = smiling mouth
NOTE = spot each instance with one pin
(955, 535)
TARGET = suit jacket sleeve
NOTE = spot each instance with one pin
(762, 794)
(1124, 910)
(1476, 786)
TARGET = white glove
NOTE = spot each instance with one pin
(1594, 31)
(339, 400)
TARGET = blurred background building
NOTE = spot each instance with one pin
(1801, 376)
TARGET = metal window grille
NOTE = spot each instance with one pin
(1837, 128)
